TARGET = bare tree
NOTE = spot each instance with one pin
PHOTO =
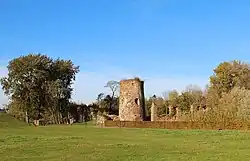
(114, 87)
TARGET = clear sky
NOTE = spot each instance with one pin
(168, 43)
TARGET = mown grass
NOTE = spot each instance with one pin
(84, 142)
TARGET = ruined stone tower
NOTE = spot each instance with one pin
(131, 100)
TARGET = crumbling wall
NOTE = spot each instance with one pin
(131, 100)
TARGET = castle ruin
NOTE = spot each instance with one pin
(131, 100)
(132, 103)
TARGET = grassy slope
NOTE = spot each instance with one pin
(80, 142)
(9, 121)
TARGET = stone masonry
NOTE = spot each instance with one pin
(131, 100)
(153, 112)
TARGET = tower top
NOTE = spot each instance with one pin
(132, 79)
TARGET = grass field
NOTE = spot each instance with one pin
(85, 142)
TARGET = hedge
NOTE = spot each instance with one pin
(179, 125)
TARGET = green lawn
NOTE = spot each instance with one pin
(84, 142)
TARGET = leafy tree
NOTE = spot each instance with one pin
(15, 109)
(80, 112)
(172, 97)
(24, 80)
(110, 99)
(63, 73)
(212, 98)
(40, 84)
(193, 95)
(94, 109)
(160, 104)
(108, 105)
(228, 75)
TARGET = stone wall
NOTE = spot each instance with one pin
(131, 100)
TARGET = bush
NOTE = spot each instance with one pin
(236, 104)
(231, 107)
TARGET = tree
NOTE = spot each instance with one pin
(63, 73)
(193, 95)
(114, 87)
(24, 80)
(15, 108)
(228, 75)
(172, 97)
(94, 109)
(108, 105)
(212, 98)
(99, 97)
(40, 84)
(160, 104)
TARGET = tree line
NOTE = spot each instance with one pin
(40, 87)
(225, 98)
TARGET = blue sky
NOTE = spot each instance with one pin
(168, 43)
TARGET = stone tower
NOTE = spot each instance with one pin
(131, 100)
